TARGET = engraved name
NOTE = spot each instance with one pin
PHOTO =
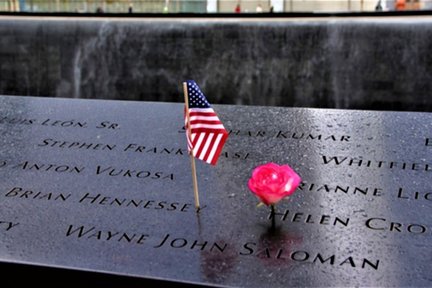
(57, 123)
(340, 189)
(98, 199)
(300, 217)
(22, 193)
(277, 253)
(106, 235)
(296, 135)
(281, 253)
(130, 148)
(99, 170)
(365, 163)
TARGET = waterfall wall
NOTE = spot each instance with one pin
(351, 63)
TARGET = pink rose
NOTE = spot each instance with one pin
(271, 182)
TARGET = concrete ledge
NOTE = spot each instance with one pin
(353, 63)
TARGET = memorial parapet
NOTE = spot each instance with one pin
(105, 186)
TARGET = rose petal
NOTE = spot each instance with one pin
(271, 182)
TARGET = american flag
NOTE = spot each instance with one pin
(207, 134)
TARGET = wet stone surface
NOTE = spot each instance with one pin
(105, 186)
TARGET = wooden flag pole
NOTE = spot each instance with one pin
(188, 130)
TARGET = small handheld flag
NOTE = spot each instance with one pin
(206, 134)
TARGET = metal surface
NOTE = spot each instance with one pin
(125, 206)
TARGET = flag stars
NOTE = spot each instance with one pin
(196, 97)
